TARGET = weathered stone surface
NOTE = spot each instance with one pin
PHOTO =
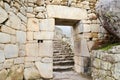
(8, 30)
(23, 27)
(43, 35)
(39, 9)
(16, 72)
(2, 56)
(4, 38)
(8, 63)
(109, 14)
(3, 74)
(19, 60)
(30, 9)
(97, 63)
(33, 24)
(30, 15)
(31, 73)
(11, 51)
(46, 49)
(40, 2)
(116, 70)
(22, 17)
(40, 15)
(66, 12)
(7, 7)
(47, 60)
(30, 36)
(3, 15)
(29, 64)
(45, 69)
(47, 24)
(84, 48)
(21, 37)
(95, 27)
(13, 39)
(14, 21)
(32, 49)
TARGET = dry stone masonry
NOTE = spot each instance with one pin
(27, 30)
(106, 64)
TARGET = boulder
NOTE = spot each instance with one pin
(109, 13)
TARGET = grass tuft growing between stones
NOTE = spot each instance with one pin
(108, 46)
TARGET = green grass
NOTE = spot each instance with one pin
(108, 46)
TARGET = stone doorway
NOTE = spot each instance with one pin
(63, 55)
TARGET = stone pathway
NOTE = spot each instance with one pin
(69, 75)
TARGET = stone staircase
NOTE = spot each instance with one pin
(63, 57)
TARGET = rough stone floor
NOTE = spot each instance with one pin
(69, 75)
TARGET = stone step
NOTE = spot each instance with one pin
(62, 68)
(62, 59)
(62, 56)
(67, 62)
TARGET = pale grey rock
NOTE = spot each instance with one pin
(8, 30)
(32, 49)
(21, 36)
(2, 56)
(47, 25)
(33, 24)
(11, 51)
(45, 69)
(31, 73)
(22, 17)
(4, 38)
(3, 15)
(14, 21)
(19, 60)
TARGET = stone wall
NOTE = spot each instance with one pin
(27, 32)
(106, 64)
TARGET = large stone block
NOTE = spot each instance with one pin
(14, 21)
(3, 15)
(32, 49)
(8, 30)
(64, 12)
(95, 27)
(31, 73)
(46, 49)
(84, 48)
(43, 35)
(22, 17)
(29, 36)
(2, 56)
(33, 24)
(4, 38)
(21, 37)
(47, 24)
(84, 28)
(45, 69)
(11, 51)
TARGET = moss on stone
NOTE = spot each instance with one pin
(108, 46)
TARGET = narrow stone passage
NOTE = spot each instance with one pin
(68, 75)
